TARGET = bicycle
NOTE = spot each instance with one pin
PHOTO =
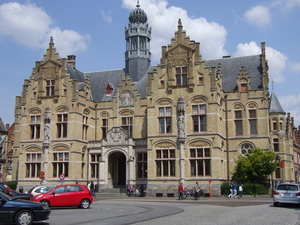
(199, 194)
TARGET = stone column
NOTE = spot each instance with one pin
(181, 135)
(46, 142)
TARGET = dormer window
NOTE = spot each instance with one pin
(200, 80)
(181, 75)
(243, 87)
(162, 83)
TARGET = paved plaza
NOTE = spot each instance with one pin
(163, 211)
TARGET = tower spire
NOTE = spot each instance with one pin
(138, 36)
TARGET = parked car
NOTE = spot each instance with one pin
(40, 190)
(21, 211)
(5, 189)
(18, 195)
(66, 195)
(286, 193)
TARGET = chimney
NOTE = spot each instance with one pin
(71, 60)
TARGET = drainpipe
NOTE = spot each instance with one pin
(227, 143)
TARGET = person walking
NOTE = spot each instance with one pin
(180, 191)
(241, 190)
(234, 189)
(231, 190)
(197, 191)
(92, 188)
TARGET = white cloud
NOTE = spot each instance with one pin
(258, 16)
(291, 103)
(276, 60)
(211, 35)
(106, 16)
(68, 41)
(286, 5)
(30, 26)
(294, 67)
(26, 24)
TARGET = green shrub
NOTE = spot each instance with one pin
(12, 184)
(248, 189)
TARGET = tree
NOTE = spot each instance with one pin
(255, 167)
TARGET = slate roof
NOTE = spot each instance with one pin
(275, 106)
(75, 74)
(99, 80)
(2, 127)
(231, 68)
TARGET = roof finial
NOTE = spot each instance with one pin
(51, 39)
(138, 3)
(272, 85)
(179, 22)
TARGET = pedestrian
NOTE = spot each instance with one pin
(234, 189)
(92, 188)
(196, 191)
(230, 190)
(89, 185)
(241, 190)
(180, 191)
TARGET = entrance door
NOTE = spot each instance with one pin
(117, 169)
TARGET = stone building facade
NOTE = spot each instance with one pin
(184, 120)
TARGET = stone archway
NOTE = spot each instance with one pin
(117, 169)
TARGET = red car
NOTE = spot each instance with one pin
(66, 195)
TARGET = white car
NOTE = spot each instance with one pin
(288, 193)
(40, 190)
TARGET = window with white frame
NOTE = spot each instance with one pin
(60, 164)
(141, 165)
(50, 86)
(94, 162)
(85, 127)
(238, 123)
(181, 75)
(127, 125)
(35, 126)
(200, 161)
(165, 162)
(165, 120)
(33, 164)
(199, 118)
(252, 122)
(246, 149)
(62, 125)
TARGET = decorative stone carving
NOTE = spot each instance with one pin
(181, 125)
(199, 144)
(165, 145)
(33, 149)
(165, 102)
(126, 99)
(116, 136)
(60, 149)
(47, 126)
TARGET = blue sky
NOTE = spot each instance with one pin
(93, 30)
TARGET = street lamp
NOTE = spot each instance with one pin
(278, 162)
